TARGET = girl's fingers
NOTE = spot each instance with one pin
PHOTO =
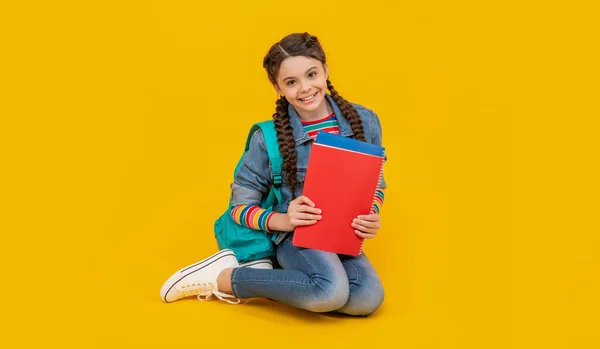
(364, 235)
(305, 217)
(299, 222)
(371, 217)
(368, 224)
(364, 229)
(310, 217)
(308, 209)
(304, 200)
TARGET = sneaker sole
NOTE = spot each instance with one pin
(175, 278)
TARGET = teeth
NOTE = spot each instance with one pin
(308, 98)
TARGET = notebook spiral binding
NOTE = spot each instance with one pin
(374, 196)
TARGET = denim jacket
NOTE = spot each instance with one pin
(253, 179)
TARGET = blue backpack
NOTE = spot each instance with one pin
(250, 244)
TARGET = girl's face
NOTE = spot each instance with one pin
(303, 82)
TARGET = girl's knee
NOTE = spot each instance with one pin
(329, 296)
(370, 305)
(365, 302)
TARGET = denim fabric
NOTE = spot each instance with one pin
(314, 280)
(254, 176)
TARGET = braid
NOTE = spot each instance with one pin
(287, 146)
(348, 112)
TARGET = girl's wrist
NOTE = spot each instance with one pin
(280, 222)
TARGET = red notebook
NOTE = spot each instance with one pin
(341, 179)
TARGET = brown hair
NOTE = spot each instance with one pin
(300, 44)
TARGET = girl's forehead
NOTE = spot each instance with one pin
(297, 65)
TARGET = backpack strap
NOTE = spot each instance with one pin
(272, 144)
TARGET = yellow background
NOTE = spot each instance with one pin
(121, 122)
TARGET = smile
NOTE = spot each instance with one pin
(309, 98)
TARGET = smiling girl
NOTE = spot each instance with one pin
(309, 279)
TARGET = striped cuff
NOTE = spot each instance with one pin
(378, 200)
(252, 216)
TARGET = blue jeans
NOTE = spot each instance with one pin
(314, 280)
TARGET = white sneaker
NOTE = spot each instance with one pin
(264, 263)
(200, 279)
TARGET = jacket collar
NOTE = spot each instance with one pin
(300, 136)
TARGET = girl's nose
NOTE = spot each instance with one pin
(304, 87)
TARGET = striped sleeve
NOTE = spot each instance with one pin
(252, 216)
(378, 200)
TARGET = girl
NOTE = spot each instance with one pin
(310, 279)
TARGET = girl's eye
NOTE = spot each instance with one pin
(312, 74)
(290, 83)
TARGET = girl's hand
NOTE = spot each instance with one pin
(302, 211)
(366, 226)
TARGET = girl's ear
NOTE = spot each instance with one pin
(277, 89)
(326, 71)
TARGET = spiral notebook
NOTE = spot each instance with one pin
(341, 179)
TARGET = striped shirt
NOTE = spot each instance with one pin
(326, 124)
(252, 216)
(378, 200)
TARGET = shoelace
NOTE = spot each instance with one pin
(204, 292)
